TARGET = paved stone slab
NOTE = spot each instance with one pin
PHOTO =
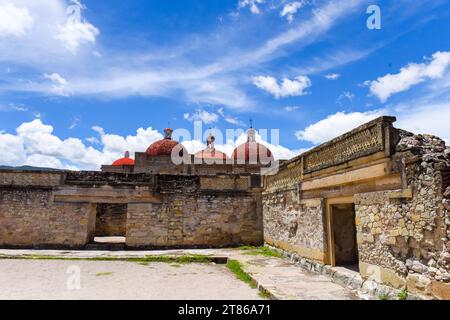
(117, 280)
(283, 279)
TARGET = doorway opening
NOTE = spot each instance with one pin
(110, 226)
(343, 235)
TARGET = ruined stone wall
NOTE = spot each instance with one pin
(39, 209)
(294, 225)
(30, 179)
(405, 241)
(197, 212)
(30, 218)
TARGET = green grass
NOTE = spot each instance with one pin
(264, 294)
(403, 295)
(261, 251)
(175, 265)
(104, 274)
(383, 297)
(236, 267)
(142, 260)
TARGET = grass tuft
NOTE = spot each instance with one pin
(403, 295)
(145, 260)
(261, 251)
(384, 296)
(104, 274)
(264, 294)
(236, 267)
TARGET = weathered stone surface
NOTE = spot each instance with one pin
(402, 232)
(59, 209)
(294, 225)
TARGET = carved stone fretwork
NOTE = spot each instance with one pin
(370, 138)
(107, 178)
(358, 144)
(287, 177)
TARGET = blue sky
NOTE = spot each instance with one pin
(83, 81)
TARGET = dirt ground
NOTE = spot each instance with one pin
(86, 280)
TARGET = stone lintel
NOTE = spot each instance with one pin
(401, 194)
(358, 175)
(105, 195)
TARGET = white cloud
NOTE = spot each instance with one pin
(332, 76)
(60, 85)
(335, 125)
(76, 30)
(202, 115)
(426, 118)
(170, 72)
(74, 123)
(251, 4)
(295, 87)
(410, 75)
(290, 9)
(13, 107)
(291, 108)
(115, 145)
(279, 152)
(93, 140)
(345, 96)
(14, 21)
(231, 120)
(99, 130)
(39, 160)
(234, 121)
(11, 149)
(35, 144)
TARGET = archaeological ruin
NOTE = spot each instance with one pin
(376, 199)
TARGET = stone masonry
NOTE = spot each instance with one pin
(398, 183)
(44, 210)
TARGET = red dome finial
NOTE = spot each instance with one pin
(210, 140)
(168, 133)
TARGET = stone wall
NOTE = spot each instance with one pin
(29, 218)
(197, 212)
(44, 210)
(399, 184)
(405, 241)
(294, 225)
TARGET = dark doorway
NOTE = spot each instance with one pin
(111, 220)
(110, 227)
(344, 234)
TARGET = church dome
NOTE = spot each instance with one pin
(252, 151)
(125, 161)
(165, 146)
(210, 152)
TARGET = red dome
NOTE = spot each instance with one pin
(211, 154)
(252, 151)
(164, 148)
(125, 161)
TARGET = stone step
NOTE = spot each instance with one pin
(105, 246)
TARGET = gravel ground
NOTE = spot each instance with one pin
(57, 279)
